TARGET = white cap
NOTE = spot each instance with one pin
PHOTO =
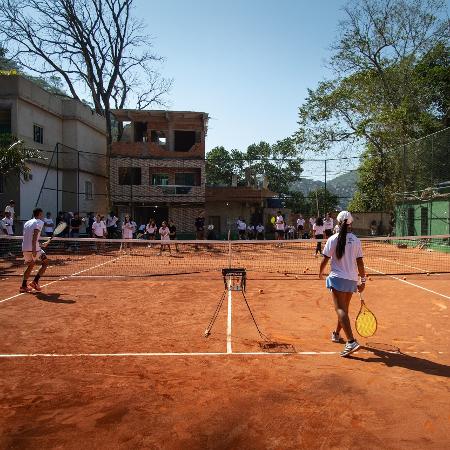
(345, 215)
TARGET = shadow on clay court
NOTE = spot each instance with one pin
(406, 361)
(53, 298)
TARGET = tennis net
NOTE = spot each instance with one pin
(141, 258)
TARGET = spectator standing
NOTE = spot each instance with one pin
(90, 219)
(242, 227)
(300, 226)
(127, 233)
(312, 221)
(98, 228)
(200, 228)
(173, 233)
(279, 226)
(150, 231)
(12, 215)
(75, 224)
(328, 224)
(251, 231)
(111, 225)
(49, 225)
(134, 225)
(164, 232)
(6, 228)
(318, 230)
(260, 231)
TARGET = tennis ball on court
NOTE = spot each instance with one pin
(261, 291)
(404, 278)
(304, 271)
(428, 274)
(370, 278)
(296, 277)
(307, 268)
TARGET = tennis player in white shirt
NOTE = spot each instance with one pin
(32, 251)
(345, 251)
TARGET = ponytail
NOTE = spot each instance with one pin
(341, 240)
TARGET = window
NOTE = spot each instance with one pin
(5, 121)
(188, 178)
(140, 132)
(184, 140)
(38, 134)
(87, 190)
(159, 179)
(129, 175)
(158, 137)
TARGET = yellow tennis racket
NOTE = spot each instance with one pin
(366, 322)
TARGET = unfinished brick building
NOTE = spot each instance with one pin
(157, 166)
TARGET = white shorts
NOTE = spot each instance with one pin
(28, 256)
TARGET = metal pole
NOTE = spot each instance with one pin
(78, 181)
(325, 196)
(57, 178)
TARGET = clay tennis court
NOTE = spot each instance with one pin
(109, 359)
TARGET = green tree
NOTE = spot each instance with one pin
(279, 164)
(390, 73)
(14, 155)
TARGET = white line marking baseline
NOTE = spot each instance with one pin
(62, 278)
(411, 284)
(184, 354)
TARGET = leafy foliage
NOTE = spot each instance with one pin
(279, 164)
(391, 85)
(14, 155)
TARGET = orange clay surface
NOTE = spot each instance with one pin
(86, 396)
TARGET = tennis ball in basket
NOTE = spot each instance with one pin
(261, 291)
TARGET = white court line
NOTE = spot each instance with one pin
(407, 265)
(62, 278)
(411, 284)
(229, 316)
(185, 354)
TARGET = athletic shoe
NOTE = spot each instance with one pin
(350, 348)
(35, 286)
(25, 289)
(335, 337)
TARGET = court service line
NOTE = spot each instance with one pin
(402, 264)
(186, 354)
(411, 284)
(229, 316)
(63, 278)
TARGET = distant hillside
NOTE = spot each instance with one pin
(344, 186)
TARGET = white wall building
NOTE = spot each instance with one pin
(72, 139)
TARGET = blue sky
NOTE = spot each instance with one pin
(248, 63)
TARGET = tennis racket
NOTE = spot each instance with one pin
(366, 322)
(56, 232)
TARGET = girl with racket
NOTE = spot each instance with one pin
(345, 251)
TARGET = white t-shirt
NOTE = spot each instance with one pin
(164, 233)
(280, 223)
(134, 224)
(127, 230)
(10, 209)
(318, 229)
(251, 228)
(99, 228)
(300, 222)
(28, 231)
(48, 225)
(328, 223)
(312, 221)
(150, 229)
(259, 228)
(111, 221)
(7, 225)
(242, 226)
(345, 267)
